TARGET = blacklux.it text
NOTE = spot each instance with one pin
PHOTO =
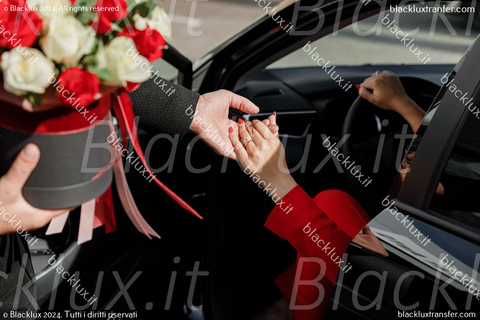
(326, 248)
(394, 29)
(463, 97)
(272, 11)
(121, 289)
(408, 224)
(460, 276)
(72, 280)
(117, 145)
(346, 162)
(326, 67)
(208, 129)
(17, 225)
(14, 42)
(268, 189)
(70, 96)
(153, 75)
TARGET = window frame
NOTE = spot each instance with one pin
(435, 148)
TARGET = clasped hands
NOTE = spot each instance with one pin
(258, 148)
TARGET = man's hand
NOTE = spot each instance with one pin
(211, 120)
(11, 197)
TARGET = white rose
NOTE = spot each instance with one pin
(52, 8)
(67, 40)
(159, 21)
(26, 74)
(121, 58)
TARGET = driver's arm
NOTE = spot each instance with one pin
(384, 90)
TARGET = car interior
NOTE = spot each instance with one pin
(235, 257)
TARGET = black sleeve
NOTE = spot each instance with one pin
(164, 107)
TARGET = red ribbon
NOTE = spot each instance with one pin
(124, 112)
(104, 213)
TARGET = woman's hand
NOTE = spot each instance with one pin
(262, 155)
(388, 93)
(369, 241)
(14, 206)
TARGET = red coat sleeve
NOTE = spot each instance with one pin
(320, 228)
(335, 218)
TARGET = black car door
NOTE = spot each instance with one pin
(431, 228)
(241, 256)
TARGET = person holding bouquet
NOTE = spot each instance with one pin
(58, 72)
(59, 65)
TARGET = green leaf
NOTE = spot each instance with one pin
(83, 12)
(151, 6)
(86, 16)
(103, 74)
(145, 9)
(131, 3)
(96, 46)
(111, 36)
(30, 97)
(90, 60)
(34, 99)
(86, 3)
(68, 65)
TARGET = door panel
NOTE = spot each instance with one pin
(419, 268)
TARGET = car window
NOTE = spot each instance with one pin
(461, 178)
(455, 197)
(200, 26)
(433, 38)
(166, 70)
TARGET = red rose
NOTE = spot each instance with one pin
(149, 42)
(18, 28)
(77, 87)
(109, 11)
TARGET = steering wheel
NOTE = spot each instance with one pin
(375, 145)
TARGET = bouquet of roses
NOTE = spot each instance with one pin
(64, 58)
(68, 53)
